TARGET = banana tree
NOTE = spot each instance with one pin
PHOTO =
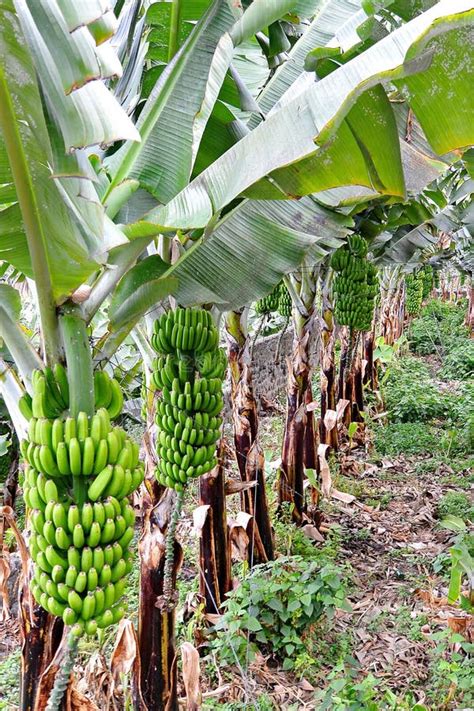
(58, 104)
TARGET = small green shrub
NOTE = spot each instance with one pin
(423, 336)
(292, 541)
(455, 503)
(459, 362)
(410, 394)
(438, 328)
(274, 607)
(405, 438)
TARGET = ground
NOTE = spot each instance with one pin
(399, 645)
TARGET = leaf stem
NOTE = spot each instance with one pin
(79, 361)
(30, 211)
(62, 677)
(24, 355)
(175, 19)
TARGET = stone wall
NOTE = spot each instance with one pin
(269, 368)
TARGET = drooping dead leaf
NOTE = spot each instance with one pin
(340, 407)
(75, 701)
(312, 532)
(7, 513)
(199, 517)
(98, 681)
(330, 419)
(4, 575)
(125, 650)
(125, 660)
(364, 365)
(239, 537)
(191, 674)
(232, 486)
(325, 472)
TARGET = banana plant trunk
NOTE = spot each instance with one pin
(214, 549)
(250, 460)
(299, 439)
(350, 378)
(470, 310)
(41, 635)
(392, 309)
(370, 373)
(157, 628)
(328, 370)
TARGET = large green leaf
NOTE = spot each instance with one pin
(10, 301)
(73, 226)
(42, 208)
(89, 115)
(175, 115)
(330, 17)
(252, 248)
(138, 291)
(439, 96)
(293, 132)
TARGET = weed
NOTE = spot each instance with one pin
(273, 608)
(451, 670)
(459, 362)
(455, 503)
(291, 540)
(346, 691)
(410, 394)
(263, 703)
(405, 438)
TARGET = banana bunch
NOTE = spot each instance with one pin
(268, 304)
(190, 383)
(355, 286)
(80, 549)
(284, 301)
(427, 279)
(81, 553)
(51, 394)
(185, 331)
(413, 293)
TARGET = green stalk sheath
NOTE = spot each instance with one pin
(173, 45)
(32, 223)
(79, 362)
(62, 677)
(24, 355)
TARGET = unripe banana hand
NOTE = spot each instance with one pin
(81, 552)
(188, 374)
(355, 286)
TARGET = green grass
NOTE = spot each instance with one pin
(405, 438)
(10, 681)
(455, 503)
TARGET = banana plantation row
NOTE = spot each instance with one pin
(150, 155)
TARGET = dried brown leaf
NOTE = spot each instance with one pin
(199, 517)
(191, 674)
(325, 472)
(125, 650)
